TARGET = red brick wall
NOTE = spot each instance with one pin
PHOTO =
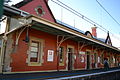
(19, 57)
(30, 7)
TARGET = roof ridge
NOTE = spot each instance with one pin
(22, 3)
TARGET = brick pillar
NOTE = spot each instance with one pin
(94, 31)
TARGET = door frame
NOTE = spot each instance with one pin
(89, 59)
(96, 53)
(70, 46)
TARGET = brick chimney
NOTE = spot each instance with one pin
(94, 31)
(46, 1)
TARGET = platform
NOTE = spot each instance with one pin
(65, 75)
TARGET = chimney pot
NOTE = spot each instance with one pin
(94, 31)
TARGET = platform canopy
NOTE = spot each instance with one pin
(76, 35)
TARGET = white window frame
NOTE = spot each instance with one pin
(40, 53)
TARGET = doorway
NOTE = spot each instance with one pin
(88, 60)
(70, 58)
(95, 59)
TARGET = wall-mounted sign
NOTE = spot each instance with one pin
(82, 59)
(98, 59)
(50, 56)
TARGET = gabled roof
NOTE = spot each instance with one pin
(22, 3)
(87, 33)
(108, 40)
(30, 5)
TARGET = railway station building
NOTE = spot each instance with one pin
(37, 42)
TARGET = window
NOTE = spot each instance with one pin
(61, 54)
(39, 10)
(35, 51)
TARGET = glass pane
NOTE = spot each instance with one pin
(61, 54)
(35, 44)
(35, 49)
(33, 55)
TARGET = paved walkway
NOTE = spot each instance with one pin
(51, 75)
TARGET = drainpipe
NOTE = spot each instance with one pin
(3, 53)
(2, 56)
(3, 48)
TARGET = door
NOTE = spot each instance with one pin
(96, 59)
(88, 60)
(70, 61)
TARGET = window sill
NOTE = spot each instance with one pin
(61, 64)
(34, 64)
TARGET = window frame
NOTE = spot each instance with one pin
(40, 52)
(61, 63)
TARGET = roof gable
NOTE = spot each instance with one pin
(22, 3)
(35, 7)
(108, 40)
(88, 34)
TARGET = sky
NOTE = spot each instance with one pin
(92, 10)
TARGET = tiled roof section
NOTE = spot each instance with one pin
(69, 26)
(22, 3)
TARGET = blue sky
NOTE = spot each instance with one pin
(92, 10)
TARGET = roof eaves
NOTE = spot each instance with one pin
(22, 3)
(14, 10)
(71, 31)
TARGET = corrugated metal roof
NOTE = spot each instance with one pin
(69, 26)
(78, 30)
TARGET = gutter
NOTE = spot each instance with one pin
(14, 10)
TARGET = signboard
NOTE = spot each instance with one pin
(98, 59)
(82, 58)
(50, 56)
